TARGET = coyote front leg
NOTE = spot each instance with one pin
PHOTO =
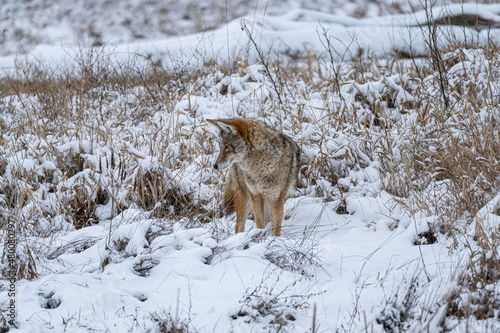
(242, 208)
(257, 201)
(276, 215)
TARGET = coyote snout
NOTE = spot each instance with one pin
(264, 169)
(225, 157)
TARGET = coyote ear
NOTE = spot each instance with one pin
(226, 127)
(223, 126)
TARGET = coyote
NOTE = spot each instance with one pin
(264, 170)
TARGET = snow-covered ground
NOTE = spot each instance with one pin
(219, 285)
(354, 256)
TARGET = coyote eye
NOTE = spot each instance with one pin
(226, 147)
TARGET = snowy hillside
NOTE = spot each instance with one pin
(107, 185)
(26, 24)
(297, 33)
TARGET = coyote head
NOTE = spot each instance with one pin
(232, 141)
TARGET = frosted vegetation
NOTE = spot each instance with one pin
(106, 169)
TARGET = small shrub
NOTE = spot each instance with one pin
(278, 306)
(165, 322)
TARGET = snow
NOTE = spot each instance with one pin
(117, 275)
(27, 24)
(295, 31)
(89, 298)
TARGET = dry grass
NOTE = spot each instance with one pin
(63, 122)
